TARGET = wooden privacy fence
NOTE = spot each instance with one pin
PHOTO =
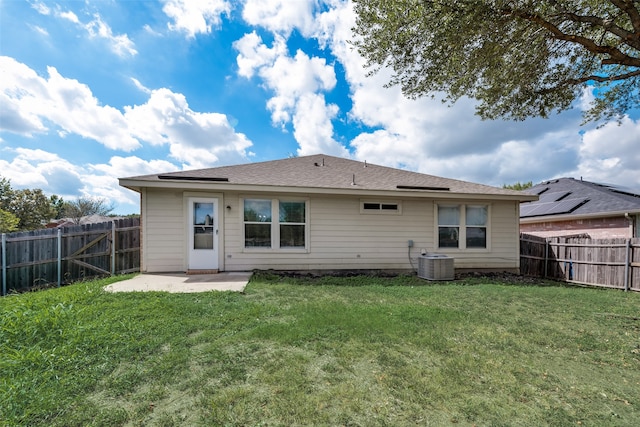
(610, 263)
(33, 259)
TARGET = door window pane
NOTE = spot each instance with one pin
(203, 225)
(203, 238)
(203, 214)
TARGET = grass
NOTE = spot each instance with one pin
(328, 351)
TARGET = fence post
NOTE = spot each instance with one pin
(59, 257)
(113, 248)
(546, 257)
(4, 264)
(627, 261)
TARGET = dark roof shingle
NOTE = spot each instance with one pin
(327, 172)
(579, 198)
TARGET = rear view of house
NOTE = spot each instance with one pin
(568, 206)
(319, 213)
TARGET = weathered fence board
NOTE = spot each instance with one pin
(611, 263)
(42, 257)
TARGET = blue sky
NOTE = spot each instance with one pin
(95, 91)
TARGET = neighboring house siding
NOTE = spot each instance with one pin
(596, 228)
(163, 231)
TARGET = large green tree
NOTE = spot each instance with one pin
(518, 58)
(31, 207)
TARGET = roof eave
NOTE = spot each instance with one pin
(569, 217)
(137, 184)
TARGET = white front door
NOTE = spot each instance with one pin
(203, 234)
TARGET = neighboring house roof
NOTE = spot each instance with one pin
(322, 173)
(70, 222)
(567, 198)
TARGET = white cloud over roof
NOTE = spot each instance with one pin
(195, 17)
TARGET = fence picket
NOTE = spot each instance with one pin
(55, 256)
(611, 263)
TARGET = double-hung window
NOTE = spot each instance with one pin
(476, 226)
(257, 223)
(276, 224)
(463, 226)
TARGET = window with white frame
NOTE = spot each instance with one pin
(376, 207)
(273, 223)
(463, 226)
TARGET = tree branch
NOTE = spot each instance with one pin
(615, 55)
(601, 79)
(627, 37)
(628, 7)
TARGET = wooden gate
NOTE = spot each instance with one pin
(56, 256)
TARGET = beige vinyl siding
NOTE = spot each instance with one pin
(503, 241)
(164, 231)
(340, 237)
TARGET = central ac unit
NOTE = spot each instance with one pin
(436, 267)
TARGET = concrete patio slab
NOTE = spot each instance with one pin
(182, 283)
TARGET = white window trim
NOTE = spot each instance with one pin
(275, 225)
(462, 234)
(397, 211)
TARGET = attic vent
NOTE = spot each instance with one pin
(193, 178)
(417, 187)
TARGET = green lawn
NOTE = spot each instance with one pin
(333, 351)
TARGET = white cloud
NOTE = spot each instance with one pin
(280, 16)
(40, 30)
(610, 154)
(54, 175)
(44, 170)
(195, 139)
(297, 84)
(69, 16)
(253, 54)
(313, 128)
(140, 86)
(68, 103)
(120, 44)
(41, 8)
(195, 17)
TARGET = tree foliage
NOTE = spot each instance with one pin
(519, 186)
(31, 207)
(8, 222)
(86, 206)
(518, 58)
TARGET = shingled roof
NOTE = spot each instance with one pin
(569, 197)
(322, 172)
